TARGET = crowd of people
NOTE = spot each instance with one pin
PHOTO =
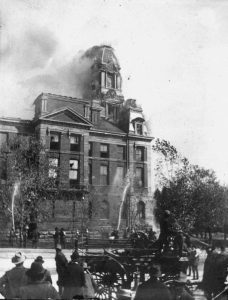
(74, 279)
(76, 282)
(19, 237)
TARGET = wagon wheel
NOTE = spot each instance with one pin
(108, 285)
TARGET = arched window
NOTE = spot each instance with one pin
(141, 209)
(105, 209)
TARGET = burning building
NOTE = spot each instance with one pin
(100, 144)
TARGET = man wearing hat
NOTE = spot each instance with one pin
(61, 264)
(90, 285)
(47, 274)
(153, 289)
(75, 278)
(37, 287)
(13, 279)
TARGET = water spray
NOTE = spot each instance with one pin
(15, 192)
(127, 185)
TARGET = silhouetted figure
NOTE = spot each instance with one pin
(61, 264)
(56, 237)
(47, 274)
(74, 278)
(62, 236)
(165, 231)
(12, 238)
(15, 278)
(35, 238)
(38, 288)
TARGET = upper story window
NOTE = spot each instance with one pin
(3, 169)
(74, 173)
(121, 152)
(44, 105)
(75, 143)
(3, 138)
(90, 149)
(110, 80)
(139, 128)
(54, 141)
(119, 175)
(139, 153)
(104, 175)
(104, 150)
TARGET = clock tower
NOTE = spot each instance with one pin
(105, 81)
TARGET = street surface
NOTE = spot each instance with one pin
(49, 257)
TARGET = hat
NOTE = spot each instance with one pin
(39, 259)
(155, 270)
(18, 258)
(58, 246)
(36, 271)
(74, 255)
(85, 266)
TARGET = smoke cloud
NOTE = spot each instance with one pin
(70, 79)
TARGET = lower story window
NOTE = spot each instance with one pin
(139, 177)
(141, 209)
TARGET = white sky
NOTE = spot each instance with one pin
(173, 55)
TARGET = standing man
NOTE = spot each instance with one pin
(14, 279)
(47, 274)
(35, 238)
(38, 288)
(165, 231)
(61, 264)
(75, 278)
(56, 237)
(62, 235)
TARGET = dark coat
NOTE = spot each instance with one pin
(152, 289)
(39, 290)
(74, 275)
(74, 281)
(11, 282)
(61, 264)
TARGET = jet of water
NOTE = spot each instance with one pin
(126, 187)
(15, 192)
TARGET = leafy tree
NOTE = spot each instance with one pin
(28, 171)
(192, 193)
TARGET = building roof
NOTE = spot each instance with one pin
(105, 125)
(60, 97)
(103, 54)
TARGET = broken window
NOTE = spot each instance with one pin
(53, 168)
(74, 173)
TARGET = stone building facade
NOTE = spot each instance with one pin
(100, 144)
